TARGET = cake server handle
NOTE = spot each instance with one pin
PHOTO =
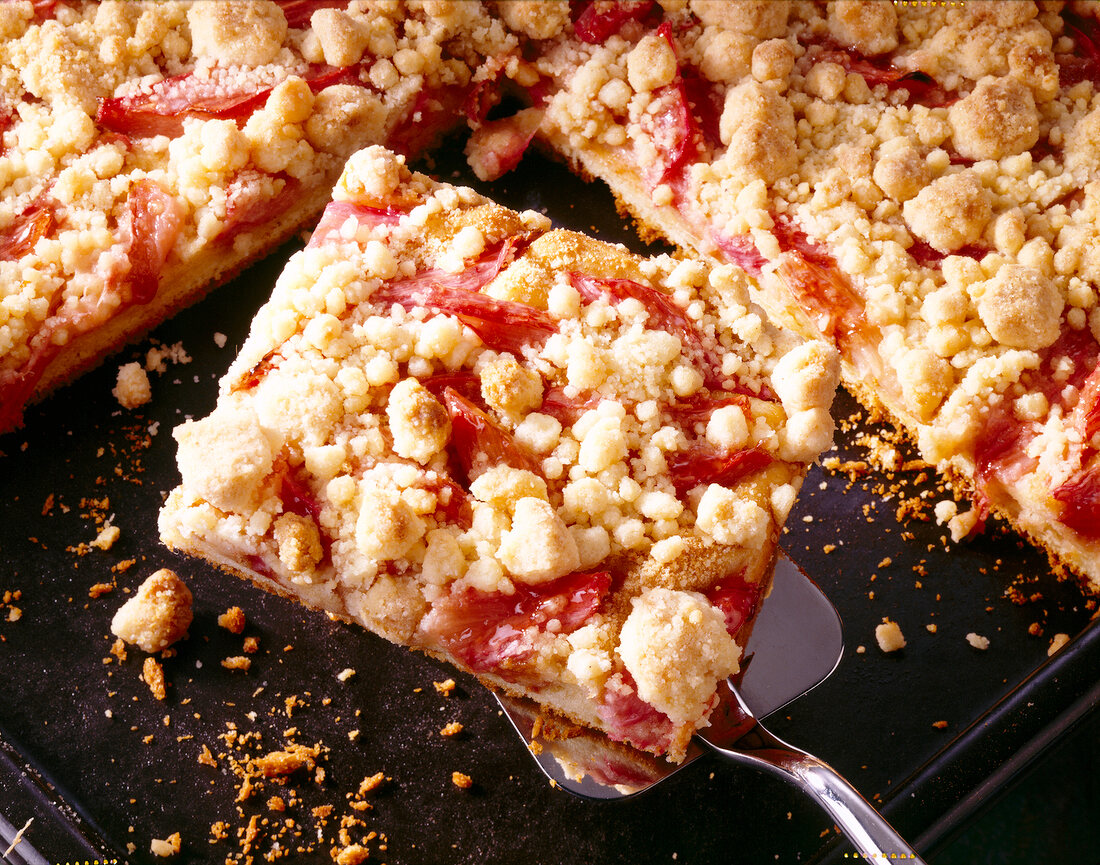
(741, 738)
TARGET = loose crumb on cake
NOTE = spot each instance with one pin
(462, 780)
(889, 636)
(445, 687)
(158, 615)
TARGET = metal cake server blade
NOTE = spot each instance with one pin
(795, 645)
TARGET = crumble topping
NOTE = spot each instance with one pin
(675, 645)
(606, 505)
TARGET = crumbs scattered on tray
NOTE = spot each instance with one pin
(902, 491)
(285, 788)
(285, 806)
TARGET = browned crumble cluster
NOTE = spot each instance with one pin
(9, 611)
(232, 620)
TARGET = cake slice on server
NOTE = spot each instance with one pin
(558, 465)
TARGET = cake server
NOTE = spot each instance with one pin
(796, 644)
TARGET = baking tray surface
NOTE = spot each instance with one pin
(100, 768)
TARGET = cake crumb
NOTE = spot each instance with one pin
(251, 645)
(353, 854)
(158, 615)
(1056, 643)
(451, 729)
(153, 674)
(206, 757)
(940, 725)
(345, 674)
(237, 662)
(931, 627)
(100, 589)
(446, 687)
(232, 620)
(369, 785)
(132, 386)
(977, 641)
(156, 356)
(107, 537)
(118, 649)
(462, 780)
(170, 846)
(285, 762)
(889, 636)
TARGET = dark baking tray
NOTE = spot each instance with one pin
(97, 764)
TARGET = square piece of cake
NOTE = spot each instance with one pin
(556, 464)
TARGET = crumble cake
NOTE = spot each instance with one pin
(558, 465)
(915, 182)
